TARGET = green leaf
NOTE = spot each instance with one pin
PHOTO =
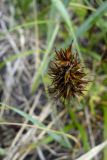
(63, 11)
(44, 63)
(92, 19)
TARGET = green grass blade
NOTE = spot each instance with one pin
(63, 11)
(51, 26)
(87, 24)
(15, 56)
(92, 19)
(83, 134)
(76, 123)
(30, 24)
(43, 65)
(27, 25)
(104, 106)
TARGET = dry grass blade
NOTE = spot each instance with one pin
(93, 152)
(42, 128)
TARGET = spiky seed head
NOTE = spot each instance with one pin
(67, 74)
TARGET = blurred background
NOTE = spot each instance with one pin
(32, 126)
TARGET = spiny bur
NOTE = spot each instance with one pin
(67, 75)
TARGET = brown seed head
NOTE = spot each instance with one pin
(67, 75)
